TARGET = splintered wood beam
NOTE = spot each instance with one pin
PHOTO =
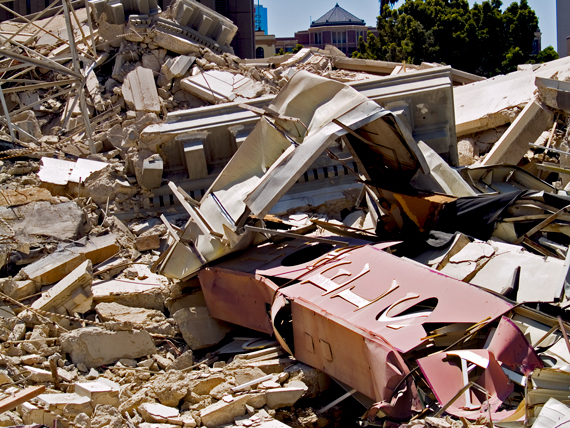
(542, 224)
(21, 397)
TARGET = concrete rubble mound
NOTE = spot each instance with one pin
(189, 238)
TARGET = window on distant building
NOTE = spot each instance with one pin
(360, 34)
(339, 37)
(318, 39)
(259, 52)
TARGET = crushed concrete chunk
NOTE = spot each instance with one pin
(198, 328)
(95, 347)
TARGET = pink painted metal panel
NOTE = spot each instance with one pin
(361, 360)
(404, 286)
(444, 375)
(510, 347)
(239, 298)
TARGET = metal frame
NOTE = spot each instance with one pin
(18, 63)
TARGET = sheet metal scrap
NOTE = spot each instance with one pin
(359, 308)
(307, 116)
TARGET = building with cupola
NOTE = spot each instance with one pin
(337, 27)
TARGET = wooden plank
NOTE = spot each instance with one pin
(542, 224)
(539, 248)
(21, 397)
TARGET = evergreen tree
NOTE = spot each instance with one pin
(482, 39)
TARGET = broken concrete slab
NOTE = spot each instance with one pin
(95, 346)
(175, 43)
(10, 198)
(527, 127)
(157, 412)
(132, 293)
(61, 172)
(150, 320)
(71, 295)
(501, 95)
(284, 397)
(59, 264)
(221, 86)
(104, 392)
(225, 410)
(139, 90)
(198, 328)
(42, 219)
(152, 172)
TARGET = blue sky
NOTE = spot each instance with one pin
(286, 17)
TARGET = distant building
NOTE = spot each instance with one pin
(261, 19)
(336, 27)
(264, 45)
(562, 26)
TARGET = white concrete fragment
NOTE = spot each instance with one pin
(283, 397)
(177, 67)
(106, 393)
(224, 411)
(152, 412)
(72, 294)
(221, 86)
(139, 91)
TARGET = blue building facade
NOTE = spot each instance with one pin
(261, 19)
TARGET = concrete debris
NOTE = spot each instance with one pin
(95, 346)
(196, 239)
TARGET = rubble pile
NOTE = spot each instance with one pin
(188, 238)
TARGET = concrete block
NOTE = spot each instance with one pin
(151, 62)
(33, 415)
(99, 393)
(176, 44)
(71, 294)
(115, 12)
(198, 328)
(147, 242)
(195, 158)
(38, 375)
(152, 172)
(95, 347)
(139, 91)
(67, 405)
(20, 289)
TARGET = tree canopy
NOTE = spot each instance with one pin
(482, 39)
